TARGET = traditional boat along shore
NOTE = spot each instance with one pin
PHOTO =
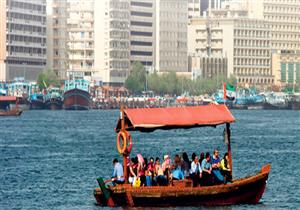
(14, 112)
(248, 190)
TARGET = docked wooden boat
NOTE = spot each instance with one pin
(15, 112)
(248, 190)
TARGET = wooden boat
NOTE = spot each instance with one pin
(248, 190)
(76, 95)
(14, 112)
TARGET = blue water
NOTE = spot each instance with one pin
(51, 159)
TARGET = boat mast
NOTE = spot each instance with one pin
(125, 155)
(227, 135)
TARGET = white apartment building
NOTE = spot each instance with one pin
(245, 42)
(58, 46)
(142, 32)
(80, 39)
(22, 39)
(171, 35)
(284, 19)
(112, 29)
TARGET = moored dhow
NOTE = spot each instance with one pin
(76, 95)
(53, 99)
(248, 190)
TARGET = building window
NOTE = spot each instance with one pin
(141, 14)
(142, 53)
(297, 72)
(140, 23)
(283, 72)
(140, 33)
(290, 72)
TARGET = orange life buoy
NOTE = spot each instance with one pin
(121, 135)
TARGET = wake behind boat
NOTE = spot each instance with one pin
(178, 193)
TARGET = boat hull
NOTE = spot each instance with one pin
(243, 191)
(76, 99)
(54, 104)
(37, 105)
(14, 112)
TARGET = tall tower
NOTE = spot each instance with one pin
(22, 39)
(80, 39)
(142, 32)
(59, 42)
(112, 45)
(171, 35)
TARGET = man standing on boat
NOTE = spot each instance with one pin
(118, 174)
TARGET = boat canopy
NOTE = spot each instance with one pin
(150, 119)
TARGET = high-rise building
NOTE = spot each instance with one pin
(284, 19)
(171, 35)
(112, 29)
(142, 32)
(58, 30)
(193, 8)
(80, 39)
(244, 41)
(22, 39)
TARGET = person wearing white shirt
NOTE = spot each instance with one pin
(196, 172)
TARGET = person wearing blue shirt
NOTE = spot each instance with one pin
(118, 175)
(206, 170)
(215, 162)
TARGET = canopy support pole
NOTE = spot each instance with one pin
(229, 147)
(125, 155)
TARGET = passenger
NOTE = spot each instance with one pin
(225, 168)
(160, 177)
(177, 172)
(206, 170)
(201, 157)
(133, 170)
(196, 172)
(186, 164)
(166, 166)
(200, 161)
(151, 171)
(215, 162)
(118, 175)
(148, 181)
(141, 169)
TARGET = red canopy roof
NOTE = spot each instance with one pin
(149, 119)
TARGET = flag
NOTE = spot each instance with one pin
(45, 84)
(229, 92)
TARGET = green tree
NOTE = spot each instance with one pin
(47, 78)
(136, 81)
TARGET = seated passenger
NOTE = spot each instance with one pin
(177, 173)
(215, 162)
(186, 164)
(132, 170)
(160, 177)
(151, 170)
(118, 175)
(196, 172)
(166, 166)
(141, 169)
(225, 168)
(206, 170)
